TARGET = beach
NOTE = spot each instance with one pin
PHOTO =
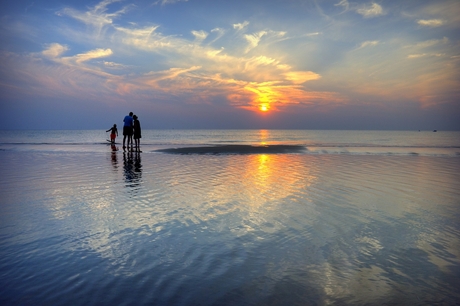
(230, 218)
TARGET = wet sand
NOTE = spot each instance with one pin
(91, 228)
(236, 149)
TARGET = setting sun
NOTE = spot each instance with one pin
(263, 107)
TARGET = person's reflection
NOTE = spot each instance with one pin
(137, 164)
(114, 156)
(132, 168)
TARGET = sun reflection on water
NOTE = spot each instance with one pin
(264, 135)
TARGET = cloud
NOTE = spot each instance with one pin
(54, 50)
(369, 11)
(176, 66)
(93, 54)
(430, 23)
(154, 78)
(145, 38)
(165, 2)
(114, 65)
(35, 77)
(411, 56)
(219, 32)
(96, 16)
(446, 12)
(240, 26)
(431, 42)
(277, 95)
(200, 35)
(343, 3)
(416, 55)
(254, 39)
(138, 32)
(299, 77)
(421, 49)
(369, 43)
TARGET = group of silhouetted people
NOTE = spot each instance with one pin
(131, 129)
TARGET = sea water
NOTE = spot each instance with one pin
(355, 217)
(445, 143)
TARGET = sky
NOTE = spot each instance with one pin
(240, 64)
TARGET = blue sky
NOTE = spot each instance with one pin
(301, 64)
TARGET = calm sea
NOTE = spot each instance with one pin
(331, 218)
(315, 142)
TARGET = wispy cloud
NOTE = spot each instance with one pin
(219, 32)
(240, 26)
(154, 79)
(54, 50)
(200, 35)
(431, 43)
(96, 16)
(166, 2)
(114, 65)
(343, 3)
(369, 11)
(366, 10)
(63, 78)
(430, 22)
(299, 77)
(411, 56)
(254, 39)
(416, 55)
(93, 54)
(369, 43)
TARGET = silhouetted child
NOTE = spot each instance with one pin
(113, 133)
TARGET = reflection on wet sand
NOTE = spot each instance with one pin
(114, 156)
(132, 168)
(236, 149)
(345, 230)
(201, 188)
(272, 178)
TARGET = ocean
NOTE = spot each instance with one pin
(230, 217)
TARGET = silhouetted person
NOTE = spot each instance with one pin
(128, 129)
(137, 134)
(113, 133)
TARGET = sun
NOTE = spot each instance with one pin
(263, 107)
